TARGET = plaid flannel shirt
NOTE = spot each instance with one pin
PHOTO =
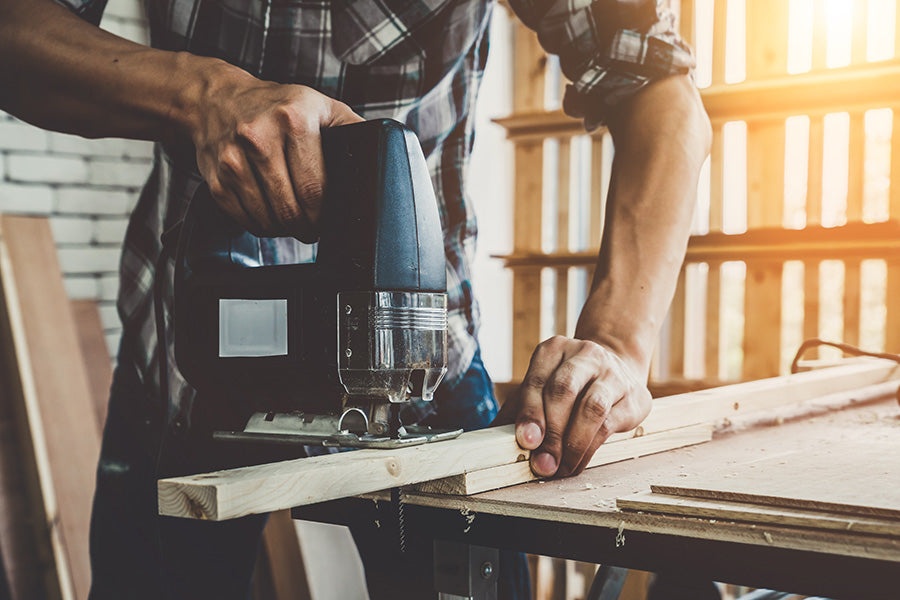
(417, 61)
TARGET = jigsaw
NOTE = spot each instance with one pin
(326, 352)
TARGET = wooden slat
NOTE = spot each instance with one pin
(762, 289)
(527, 230)
(872, 85)
(96, 354)
(870, 240)
(651, 502)
(676, 328)
(720, 17)
(687, 22)
(852, 284)
(717, 180)
(528, 71)
(856, 166)
(285, 560)
(712, 326)
(563, 208)
(264, 488)
(494, 478)
(57, 399)
(598, 193)
(811, 303)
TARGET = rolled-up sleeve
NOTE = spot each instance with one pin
(89, 10)
(608, 49)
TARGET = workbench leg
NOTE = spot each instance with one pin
(608, 583)
(464, 572)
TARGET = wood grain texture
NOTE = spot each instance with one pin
(854, 472)
(520, 472)
(590, 498)
(56, 399)
(264, 488)
(725, 403)
(96, 354)
(652, 502)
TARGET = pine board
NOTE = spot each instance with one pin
(264, 488)
(650, 502)
(520, 472)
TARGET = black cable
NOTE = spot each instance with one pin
(845, 348)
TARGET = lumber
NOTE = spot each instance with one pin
(264, 488)
(722, 404)
(590, 499)
(651, 502)
(51, 392)
(96, 355)
(520, 472)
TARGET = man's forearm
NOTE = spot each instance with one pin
(662, 139)
(65, 74)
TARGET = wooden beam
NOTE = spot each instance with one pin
(651, 502)
(96, 355)
(520, 472)
(53, 393)
(871, 85)
(856, 240)
(264, 488)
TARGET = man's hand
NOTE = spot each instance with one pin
(259, 148)
(575, 395)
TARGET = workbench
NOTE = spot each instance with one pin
(849, 457)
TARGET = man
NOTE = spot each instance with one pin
(207, 93)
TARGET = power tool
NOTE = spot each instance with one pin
(326, 352)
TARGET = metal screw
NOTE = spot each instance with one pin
(487, 569)
(348, 352)
(348, 309)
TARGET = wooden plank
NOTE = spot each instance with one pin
(494, 478)
(264, 488)
(811, 303)
(599, 188)
(590, 498)
(528, 70)
(285, 560)
(652, 502)
(563, 207)
(58, 403)
(856, 166)
(732, 402)
(96, 354)
(844, 473)
(526, 319)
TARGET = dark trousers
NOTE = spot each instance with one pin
(136, 554)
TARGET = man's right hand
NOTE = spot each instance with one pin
(259, 149)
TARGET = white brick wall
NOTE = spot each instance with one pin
(86, 187)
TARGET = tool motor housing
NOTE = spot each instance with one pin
(366, 320)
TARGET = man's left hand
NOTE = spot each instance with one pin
(575, 395)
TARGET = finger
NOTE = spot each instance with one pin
(236, 176)
(231, 205)
(340, 114)
(590, 413)
(306, 169)
(530, 419)
(624, 415)
(560, 395)
(274, 179)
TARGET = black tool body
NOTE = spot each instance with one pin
(266, 336)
